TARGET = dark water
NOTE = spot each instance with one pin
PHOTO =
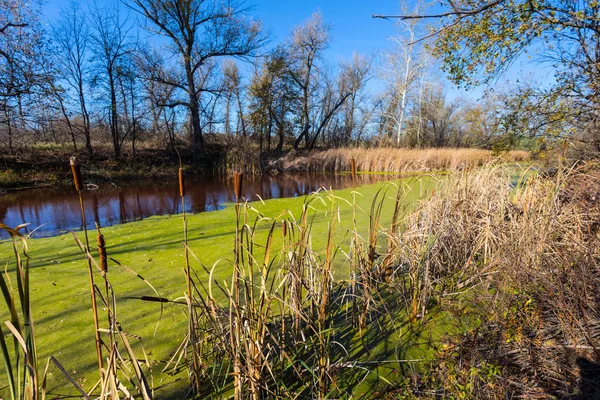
(55, 211)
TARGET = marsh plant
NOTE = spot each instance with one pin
(486, 288)
(117, 367)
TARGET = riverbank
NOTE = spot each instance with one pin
(48, 165)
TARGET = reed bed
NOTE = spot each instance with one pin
(525, 262)
(393, 160)
(488, 288)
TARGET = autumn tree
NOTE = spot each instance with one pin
(201, 31)
(273, 98)
(233, 89)
(478, 40)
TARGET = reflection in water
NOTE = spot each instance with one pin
(56, 211)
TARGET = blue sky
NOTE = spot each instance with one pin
(352, 27)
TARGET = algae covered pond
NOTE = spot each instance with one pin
(153, 248)
(52, 211)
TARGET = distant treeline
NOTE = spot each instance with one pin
(138, 71)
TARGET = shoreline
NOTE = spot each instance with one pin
(29, 169)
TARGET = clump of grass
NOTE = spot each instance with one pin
(21, 361)
(394, 160)
(274, 329)
(523, 261)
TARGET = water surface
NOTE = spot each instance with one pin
(54, 211)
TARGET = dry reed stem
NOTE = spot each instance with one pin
(75, 169)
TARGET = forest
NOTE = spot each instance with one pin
(199, 78)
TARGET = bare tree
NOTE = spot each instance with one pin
(434, 122)
(404, 69)
(161, 97)
(351, 79)
(111, 44)
(200, 31)
(71, 35)
(21, 49)
(309, 40)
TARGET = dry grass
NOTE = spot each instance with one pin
(392, 159)
(527, 261)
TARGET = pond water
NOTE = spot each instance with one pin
(54, 211)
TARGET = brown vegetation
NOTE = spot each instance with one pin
(396, 160)
(532, 257)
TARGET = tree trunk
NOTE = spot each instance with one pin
(86, 120)
(114, 128)
(197, 139)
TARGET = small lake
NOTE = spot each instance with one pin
(54, 211)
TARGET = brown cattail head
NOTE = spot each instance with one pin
(181, 183)
(76, 170)
(237, 185)
(353, 167)
(102, 252)
(284, 228)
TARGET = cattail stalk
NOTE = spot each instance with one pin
(102, 252)
(195, 373)
(76, 170)
(355, 248)
(234, 319)
(185, 235)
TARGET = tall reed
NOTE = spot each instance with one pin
(193, 353)
(78, 183)
(110, 382)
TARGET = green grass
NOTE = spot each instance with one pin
(152, 247)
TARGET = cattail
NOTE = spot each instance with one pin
(353, 167)
(102, 252)
(181, 183)
(237, 185)
(284, 228)
(76, 170)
